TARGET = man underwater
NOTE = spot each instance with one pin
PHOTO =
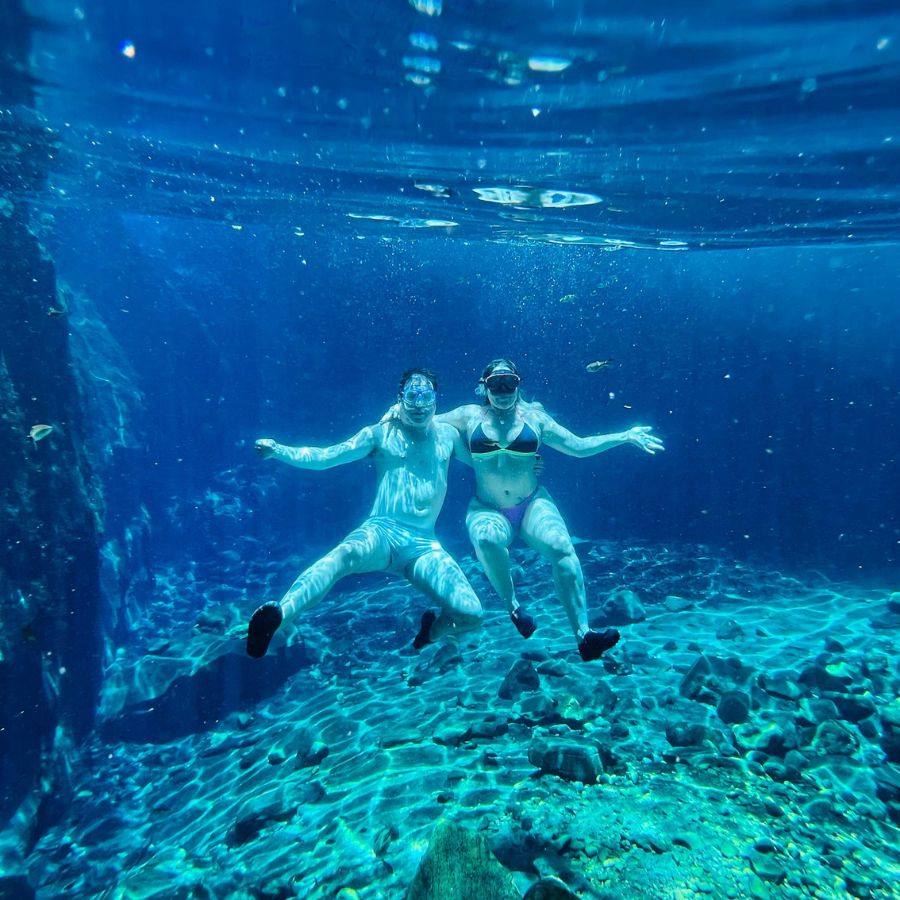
(412, 455)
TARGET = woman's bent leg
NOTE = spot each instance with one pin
(544, 530)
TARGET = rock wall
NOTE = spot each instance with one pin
(50, 502)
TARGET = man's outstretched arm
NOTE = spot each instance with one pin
(358, 447)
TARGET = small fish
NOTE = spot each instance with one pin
(39, 432)
(436, 190)
(53, 311)
(598, 364)
(568, 298)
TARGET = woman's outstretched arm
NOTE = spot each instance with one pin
(559, 438)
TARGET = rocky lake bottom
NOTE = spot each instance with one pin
(742, 740)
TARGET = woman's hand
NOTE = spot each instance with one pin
(642, 436)
(391, 415)
(265, 447)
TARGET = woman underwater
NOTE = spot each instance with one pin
(504, 436)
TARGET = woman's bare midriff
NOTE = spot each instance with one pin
(504, 481)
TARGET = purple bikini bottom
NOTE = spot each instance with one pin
(515, 514)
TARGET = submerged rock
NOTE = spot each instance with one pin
(689, 734)
(521, 677)
(538, 709)
(549, 889)
(834, 738)
(729, 630)
(458, 865)
(567, 759)
(694, 684)
(676, 604)
(623, 607)
(16, 887)
(781, 685)
(733, 707)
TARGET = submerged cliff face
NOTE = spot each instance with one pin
(49, 499)
(49, 556)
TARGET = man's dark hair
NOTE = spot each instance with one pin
(427, 373)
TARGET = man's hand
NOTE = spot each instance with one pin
(265, 447)
(642, 436)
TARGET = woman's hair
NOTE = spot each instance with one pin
(497, 364)
(426, 373)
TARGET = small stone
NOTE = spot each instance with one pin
(554, 667)
(547, 889)
(687, 734)
(694, 683)
(651, 842)
(569, 760)
(538, 709)
(781, 685)
(733, 707)
(521, 677)
(853, 708)
(623, 607)
(768, 867)
(729, 630)
(489, 726)
(450, 733)
(836, 677)
(835, 738)
(676, 604)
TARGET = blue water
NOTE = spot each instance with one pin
(266, 214)
(249, 185)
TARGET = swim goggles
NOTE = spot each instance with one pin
(502, 383)
(418, 397)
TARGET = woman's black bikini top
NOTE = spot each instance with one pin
(525, 443)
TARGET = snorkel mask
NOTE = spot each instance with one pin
(499, 384)
(502, 382)
(418, 394)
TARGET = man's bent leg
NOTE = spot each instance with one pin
(438, 575)
(544, 530)
(363, 550)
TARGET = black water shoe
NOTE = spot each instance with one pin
(263, 624)
(422, 639)
(525, 624)
(596, 643)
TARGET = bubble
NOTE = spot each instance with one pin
(428, 7)
(548, 64)
(421, 40)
